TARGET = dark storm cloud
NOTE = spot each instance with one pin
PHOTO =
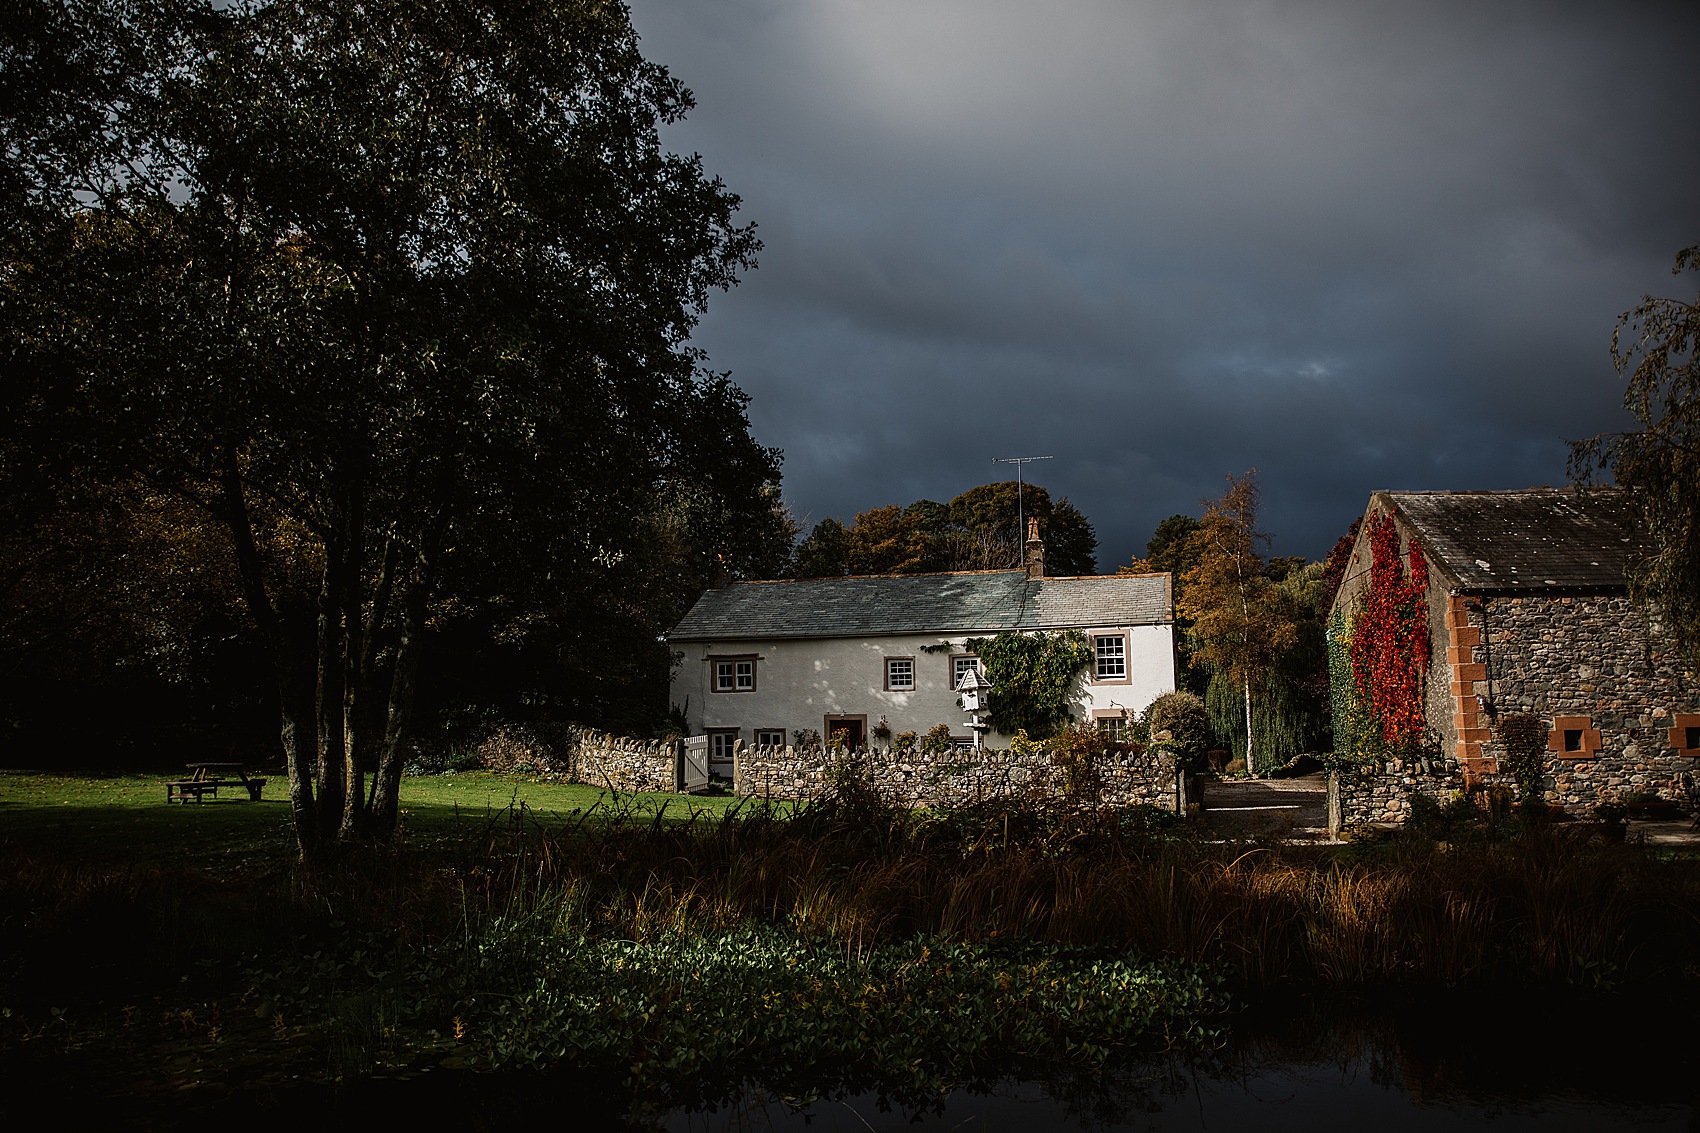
(1356, 245)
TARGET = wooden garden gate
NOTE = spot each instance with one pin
(693, 764)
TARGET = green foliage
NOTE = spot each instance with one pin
(1187, 721)
(975, 531)
(1525, 740)
(1352, 726)
(412, 285)
(1254, 632)
(1032, 675)
(937, 741)
(1074, 751)
(683, 1007)
(1659, 465)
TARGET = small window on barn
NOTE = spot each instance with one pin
(1574, 737)
(1693, 738)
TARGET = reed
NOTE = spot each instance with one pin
(1552, 906)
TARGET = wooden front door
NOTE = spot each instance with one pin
(853, 730)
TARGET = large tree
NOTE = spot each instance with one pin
(975, 531)
(1242, 623)
(1656, 350)
(407, 283)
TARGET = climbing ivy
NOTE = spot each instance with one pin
(1356, 736)
(1390, 640)
(1031, 674)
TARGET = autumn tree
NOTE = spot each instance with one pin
(1241, 623)
(1656, 350)
(1171, 550)
(975, 531)
(417, 280)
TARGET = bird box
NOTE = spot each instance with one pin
(973, 688)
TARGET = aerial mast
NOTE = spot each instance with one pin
(1020, 508)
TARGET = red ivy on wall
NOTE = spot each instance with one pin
(1390, 642)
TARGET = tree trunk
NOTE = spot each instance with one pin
(295, 730)
(328, 699)
(1250, 757)
(351, 656)
(386, 780)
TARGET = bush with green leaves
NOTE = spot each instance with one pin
(937, 741)
(1525, 740)
(1185, 718)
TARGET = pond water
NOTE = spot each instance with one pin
(1452, 1063)
(1433, 1062)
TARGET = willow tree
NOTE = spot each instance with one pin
(1659, 464)
(398, 287)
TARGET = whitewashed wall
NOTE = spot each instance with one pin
(799, 683)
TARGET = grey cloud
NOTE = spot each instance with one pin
(1357, 245)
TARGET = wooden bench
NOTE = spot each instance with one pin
(205, 782)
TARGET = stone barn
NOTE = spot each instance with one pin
(1514, 602)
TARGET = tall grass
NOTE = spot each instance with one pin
(1552, 906)
(631, 942)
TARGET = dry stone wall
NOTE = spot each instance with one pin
(602, 760)
(959, 778)
(1382, 793)
(905, 778)
(1602, 658)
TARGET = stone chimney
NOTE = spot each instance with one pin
(1035, 551)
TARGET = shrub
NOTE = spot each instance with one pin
(1525, 740)
(1074, 750)
(937, 741)
(1184, 717)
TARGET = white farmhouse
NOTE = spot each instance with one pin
(876, 656)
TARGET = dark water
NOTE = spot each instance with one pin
(1448, 1063)
(1423, 1063)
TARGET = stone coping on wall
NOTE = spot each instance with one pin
(1381, 793)
(905, 777)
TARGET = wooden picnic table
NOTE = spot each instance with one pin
(206, 778)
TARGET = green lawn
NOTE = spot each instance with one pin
(125, 816)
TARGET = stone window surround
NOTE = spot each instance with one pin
(1590, 748)
(1120, 715)
(780, 732)
(1127, 649)
(731, 662)
(954, 658)
(1681, 722)
(910, 687)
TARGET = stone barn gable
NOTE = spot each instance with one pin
(1529, 612)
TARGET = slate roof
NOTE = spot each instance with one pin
(1546, 539)
(980, 601)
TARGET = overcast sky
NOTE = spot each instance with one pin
(1355, 244)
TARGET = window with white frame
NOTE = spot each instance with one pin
(1110, 651)
(900, 674)
(770, 737)
(735, 675)
(960, 666)
(722, 743)
(1113, 727)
